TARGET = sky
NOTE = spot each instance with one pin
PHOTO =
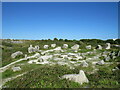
(62, 20)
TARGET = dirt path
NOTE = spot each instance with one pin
(7, 66)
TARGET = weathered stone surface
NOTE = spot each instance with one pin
(101, 62)
(84, 64)
(37, 48)
(79, 78)
(88, 47)
(107, 58)
(45, 46)
(65, 45)
(75, 47)
(108, 45)
(58, 49)
(99, 47)
(53, 45)
(31, 49)
(16, 54)
(16, 69)
(45, 58)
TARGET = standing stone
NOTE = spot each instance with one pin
(118, 54)
(53, 45)
(75, 47)
(88, 47)
(65, 46)
(45, 46)
(107, 58)
(79, 78)
(31, 49)
(108, 45)
(26, 56)
(99, 47)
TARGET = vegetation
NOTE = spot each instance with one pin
(48, 76)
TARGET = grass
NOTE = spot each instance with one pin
(45, 77)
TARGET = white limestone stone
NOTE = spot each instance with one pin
(84, 64)
(79, 78)
(16, 54)
(65, 45)
(37, 48)
(31, 49)
(58, 49)
(88, 47)
(99, 47)
(108, 45)
(45, 46)
(16, 69)
(45, 58)
(101, 62)
(75, 47)
(53, 45)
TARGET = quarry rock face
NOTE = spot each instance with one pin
(16, 54)
(108, 45)
(79, 78)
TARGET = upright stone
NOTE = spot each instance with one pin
(99, 47)
(108, 45)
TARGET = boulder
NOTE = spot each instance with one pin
(108, 45)
(101, 62)
(65, 45)
(84, 64)
(16, 69)
(45, 58)
(107, 58)
(45, 46)
(53, 45)
(58, 49)
(31, 49)
(118, 54)
(75, 47)
(16, 54)
(99, 47)
(88, 47)
(37, 48)
(79, 78)
(37, 55)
